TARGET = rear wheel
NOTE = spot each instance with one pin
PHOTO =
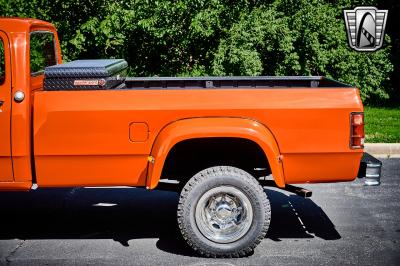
(223, 212)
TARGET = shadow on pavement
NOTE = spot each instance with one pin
(125, 214)
(297, 217)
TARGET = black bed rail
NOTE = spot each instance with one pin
(232, 82)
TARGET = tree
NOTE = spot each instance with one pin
(216, 37)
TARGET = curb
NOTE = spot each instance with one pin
(383, 150)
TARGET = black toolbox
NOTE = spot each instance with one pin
(98, 74)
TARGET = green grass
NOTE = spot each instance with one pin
(382, 125)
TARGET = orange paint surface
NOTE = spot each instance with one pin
(6, 173)
(79, 123)
(17, 31)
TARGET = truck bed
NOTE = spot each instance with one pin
(106, 74)
(86, 135)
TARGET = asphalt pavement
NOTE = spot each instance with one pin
(343, 223)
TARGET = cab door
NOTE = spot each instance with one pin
(6, 171)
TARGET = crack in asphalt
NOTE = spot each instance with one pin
(8, 258)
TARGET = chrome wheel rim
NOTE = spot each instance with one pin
(224, 214)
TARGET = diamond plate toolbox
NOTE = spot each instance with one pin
(99, 74)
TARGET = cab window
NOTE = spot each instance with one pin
(42, 51)
(2, 63)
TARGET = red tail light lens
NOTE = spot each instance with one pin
(357, 135)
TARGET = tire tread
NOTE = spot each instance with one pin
(210, 173)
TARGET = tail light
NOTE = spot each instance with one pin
(357, 130)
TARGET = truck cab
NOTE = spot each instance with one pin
(27, 46)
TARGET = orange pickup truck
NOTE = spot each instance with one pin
(217, 139)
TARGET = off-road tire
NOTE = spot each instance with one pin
(223, 176)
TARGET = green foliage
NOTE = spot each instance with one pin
(259, 43)
(42, 51)
(216, 37)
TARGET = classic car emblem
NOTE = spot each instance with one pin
(365, 27)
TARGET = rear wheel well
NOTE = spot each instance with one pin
(188, 157)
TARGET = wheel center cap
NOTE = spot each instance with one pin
(224, 211)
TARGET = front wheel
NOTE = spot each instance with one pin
(223, 212)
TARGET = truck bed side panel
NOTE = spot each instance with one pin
(83, 137)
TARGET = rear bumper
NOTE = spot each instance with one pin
(370, 169)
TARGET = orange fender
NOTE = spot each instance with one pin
(209, 128)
